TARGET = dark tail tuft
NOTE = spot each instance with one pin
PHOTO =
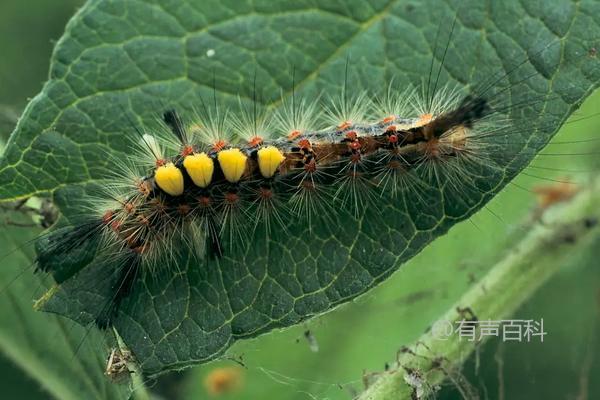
(65, 251)
(470, 110)
(174, 122)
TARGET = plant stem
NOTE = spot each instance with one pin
(137, 384)
(568, 229)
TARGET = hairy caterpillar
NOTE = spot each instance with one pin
(211, 186)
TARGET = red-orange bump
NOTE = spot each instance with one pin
(204, 201)
(391, 128)
(354, 145)
(425, 118)
(107, 217)
(389, 119)
(144, 187)
(265, 193)
(219, 145)
(432, 149)
(294, 134)
(187, 150)
(231, 197)
(304, 144)
(345, 125)
(311, 166)
(255, 141)
(352, 135)
(129, 207)
(161, 162)
(393, 138)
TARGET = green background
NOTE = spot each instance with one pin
(27, 29)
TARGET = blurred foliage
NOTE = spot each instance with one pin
(27, 29)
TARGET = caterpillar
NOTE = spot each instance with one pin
(211, 185)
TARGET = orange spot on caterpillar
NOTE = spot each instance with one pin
(144, 188)
(425, 118)
(304, 144)
(219, 145)
(129, 207)
(311, 166)
(222, 381)
(344, 125)
(391, 128)
(160, 163)
(294, 135)
(187, 150)
(231, 198)
(389, 119)
(354, 145)
(255, 141)
(393, 138)
(432, 148)
(107, 217)
(204, 201)
(265, 193)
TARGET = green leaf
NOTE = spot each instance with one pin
(65, 358)
(120, 57)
